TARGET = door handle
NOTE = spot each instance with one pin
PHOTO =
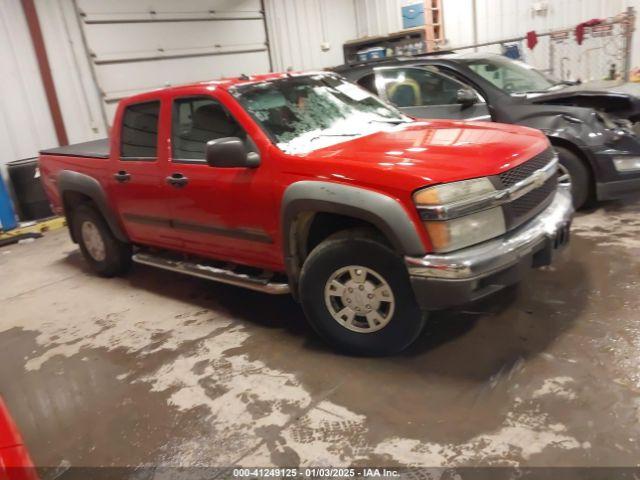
(177, 180)
(122, 176)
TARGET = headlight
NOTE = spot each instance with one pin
(448, 235)
(455, 191)
(466, 228)
(627, 164)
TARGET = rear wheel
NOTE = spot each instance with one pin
(356, 293)
(574, 172)
(105, 254)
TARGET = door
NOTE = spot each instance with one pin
(136, 46)
(223, 213)
(424, 93)
(138, 177)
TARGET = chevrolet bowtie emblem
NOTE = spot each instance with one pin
(538, 179)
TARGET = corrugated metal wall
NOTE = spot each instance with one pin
(25, 122)
(496, 19)
(378, 17)
(140, 46)
(308, 34)
(77, 91)
(93, 55)
(508, 18)
(500, 19)
(92, 51)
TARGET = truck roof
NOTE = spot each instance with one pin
(224, 83)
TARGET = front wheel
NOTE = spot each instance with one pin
(356, 293)
(573, 172)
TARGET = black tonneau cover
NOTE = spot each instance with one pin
(92, 149)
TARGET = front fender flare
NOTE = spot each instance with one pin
(378, 209)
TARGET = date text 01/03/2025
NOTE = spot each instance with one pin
(322, 472)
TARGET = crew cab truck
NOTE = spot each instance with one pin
(307, 184)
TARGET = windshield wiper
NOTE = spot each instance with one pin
(388, 120)
(334, 135)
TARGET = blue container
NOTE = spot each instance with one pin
(413, 15)
(376, 52)
(362, 55)
(512, 51)
(7, 215)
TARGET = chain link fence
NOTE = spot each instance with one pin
(603, 55)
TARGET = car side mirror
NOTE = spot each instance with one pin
(230, 152)
(466, 97)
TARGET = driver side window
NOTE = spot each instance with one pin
(196, 121)
(414, 87)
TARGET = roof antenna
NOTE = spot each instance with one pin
(244, 76)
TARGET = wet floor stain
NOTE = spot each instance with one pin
(157, 368)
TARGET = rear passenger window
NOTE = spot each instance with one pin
(140, 131)
(197, 121)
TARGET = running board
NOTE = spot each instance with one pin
(260, 283)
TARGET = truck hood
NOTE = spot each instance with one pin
(438, 151)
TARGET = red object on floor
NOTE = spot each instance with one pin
(15, 463)
(581, 26)
(532, 39)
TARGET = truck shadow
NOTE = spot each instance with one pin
(501, 330)
(471, 342)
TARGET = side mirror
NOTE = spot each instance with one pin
(230, 152)
(466, 97)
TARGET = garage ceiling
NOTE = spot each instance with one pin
(131, 49)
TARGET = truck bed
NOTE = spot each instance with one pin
(93, 149)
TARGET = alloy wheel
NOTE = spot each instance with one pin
(359, 299)
(564, 177)
(93, 241)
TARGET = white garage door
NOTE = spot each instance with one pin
(142, 45)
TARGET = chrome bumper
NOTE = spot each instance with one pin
(500, 253)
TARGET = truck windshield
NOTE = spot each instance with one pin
(303, 113)
(512, 76)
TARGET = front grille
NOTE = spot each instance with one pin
(526, 207)
(529, 205)
(513, 176)
(535, 198)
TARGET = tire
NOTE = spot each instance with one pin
(396, 320)
(106, 255)
(579, 174)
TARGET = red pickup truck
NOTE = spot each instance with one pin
(307, 184)
(15, 462)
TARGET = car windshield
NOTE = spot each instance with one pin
(511, 76)
(306, 112)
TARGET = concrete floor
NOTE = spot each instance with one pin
(158, 368)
